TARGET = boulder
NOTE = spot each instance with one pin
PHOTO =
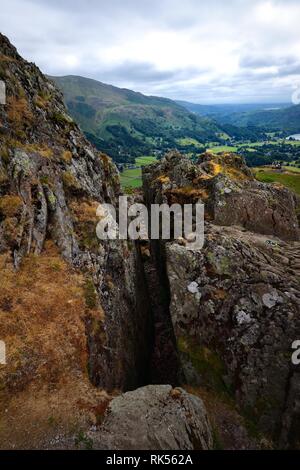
(155, 417)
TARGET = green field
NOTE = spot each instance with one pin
(293, 169)
(234, 148)
(142, 161)
(291, 181)
(132, 178)
(186, 141)
(272, 142)
(253, 145)
(223, 148)
(224, 136)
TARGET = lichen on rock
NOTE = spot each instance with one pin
(247, 273)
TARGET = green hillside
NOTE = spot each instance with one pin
(126, 124)
(251, 122)
(290, 179)
(286, 120)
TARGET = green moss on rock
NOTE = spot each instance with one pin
(207, 363)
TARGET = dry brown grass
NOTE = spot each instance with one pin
(235, 174)
(3, 177)
(18, 112)
(85, 210)
(163, 179)
(219, 294)
(43, 310)
(10, 206)
(6, 58)
(41, 149)
(186, 195)
(46, 153)
(67, 156)
(105, 160)
(42, 100)
(216, 168)
(227, 163)
(34, 418)
(85, 222)
(70, 182)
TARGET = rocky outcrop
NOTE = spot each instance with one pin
(227, 187)
(236, 326)
(78, 314)
(51, 182)
(120, 347)
(156, 417)
(235, 304)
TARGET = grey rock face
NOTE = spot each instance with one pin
(235, 304)
(227, 187)
(120, 346)
(156, 417)
(258, 207)
(58, 179)
(245, 321)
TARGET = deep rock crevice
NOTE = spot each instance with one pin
(164, 366)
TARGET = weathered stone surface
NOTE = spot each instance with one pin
(235, 304)
(244, 323)
(227, 187)
(59, 178)
(156, 417)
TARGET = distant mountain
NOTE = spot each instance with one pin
(121, 121)
(286, 120)
(250, 121)
(219, 111)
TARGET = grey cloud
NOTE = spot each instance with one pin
(140, 72)
(46, 31)
(293, 69)
(254, 61)
(145, 73)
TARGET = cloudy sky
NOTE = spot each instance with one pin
(205, 51)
